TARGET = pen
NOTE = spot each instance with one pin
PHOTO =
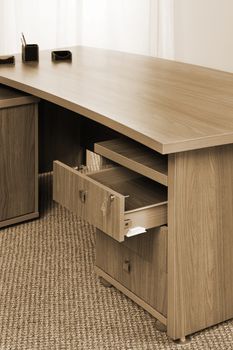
(24, 39)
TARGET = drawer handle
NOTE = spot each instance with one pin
(126, 266)
(111, 197)
(83, 195)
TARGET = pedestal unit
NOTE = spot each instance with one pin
(18, 157)
(178, 266)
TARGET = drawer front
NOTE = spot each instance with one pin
(89, 200)
(139, 264)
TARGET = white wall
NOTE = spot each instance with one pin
(137, 26)
(117, 24)
(204, 32)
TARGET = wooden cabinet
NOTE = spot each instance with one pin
(139, 264)
(185, 256)
(18, 157)
(127, 198)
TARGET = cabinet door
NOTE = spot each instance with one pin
(18, 162)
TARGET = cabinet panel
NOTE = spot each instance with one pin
(200, 242)
(18, 161)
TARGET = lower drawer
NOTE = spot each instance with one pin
(139, 264)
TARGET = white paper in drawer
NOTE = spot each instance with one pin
(135, 231)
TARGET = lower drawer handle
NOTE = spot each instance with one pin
(126, 266)
(83, 195)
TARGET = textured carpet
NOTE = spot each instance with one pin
(51, 299)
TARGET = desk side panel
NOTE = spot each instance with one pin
(200, 240)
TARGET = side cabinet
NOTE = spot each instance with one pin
(127, 203)
(18, 157)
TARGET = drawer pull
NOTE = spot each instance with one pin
(112, 197)
(83, 195)
(126, 266)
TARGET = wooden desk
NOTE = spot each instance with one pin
(177, 109)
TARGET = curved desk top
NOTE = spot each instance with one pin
(168, 106)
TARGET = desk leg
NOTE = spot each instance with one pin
(200, 239)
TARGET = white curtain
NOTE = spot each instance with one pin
(137, 26)
(50, 23)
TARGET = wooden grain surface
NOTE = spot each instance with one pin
(113, 282)
(18, 162)
(147, 204)
(147, 217)
(67, 184)
(147, 258)
(168, 106)
(11, 97)
(200, 240)
(135, 157)
(19, 219)
(145, 200)
(138, 190)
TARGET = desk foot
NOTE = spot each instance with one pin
(105, 283)
(183, 341)
(160, 326)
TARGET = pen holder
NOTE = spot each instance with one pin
(30, 52)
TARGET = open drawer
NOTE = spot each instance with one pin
(117, 201)
(136, 157)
